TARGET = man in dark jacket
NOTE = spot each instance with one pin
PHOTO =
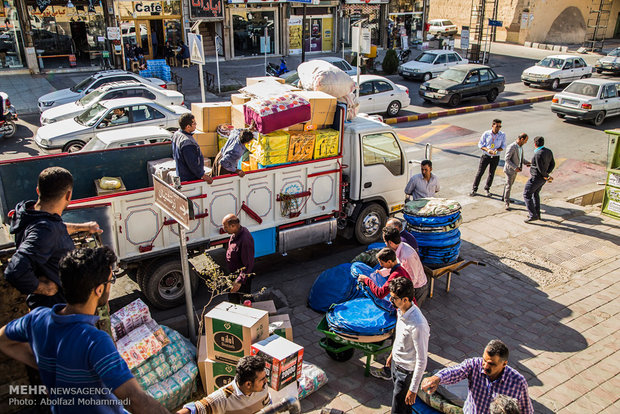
(542, 165)
(42, 239)
(239, 256)
(190, 162)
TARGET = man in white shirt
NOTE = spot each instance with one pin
(410, 348)
(247, 394)
(492, 142)
(424, 184)
(408, 259)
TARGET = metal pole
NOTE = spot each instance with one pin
(359, 52)
(217, 64)
(484, 55)
(120, 26)
(303, 36)
(265, 49)
(189, 305)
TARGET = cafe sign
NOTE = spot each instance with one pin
(147, 8)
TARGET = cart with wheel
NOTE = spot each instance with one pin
(341, 347)
(436, 272)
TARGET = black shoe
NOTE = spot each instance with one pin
(381, 373)
(488, 193)
(530, 219)
(473, 193)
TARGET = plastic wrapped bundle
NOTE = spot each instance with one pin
(142, 343)
(334, 285)
(223, 132)
(301, 146)
(312, 378)
(361, 269)
(352, 105)
(128, 318)
(438, 248)
(368, 257)
(326, 143)
(271, 149)
(318, 75)
(360, 317)
(277, 112)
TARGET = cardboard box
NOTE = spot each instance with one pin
(281, 325)
(205, 138)
(211, 114)
(252, 81)
(232, 329)
(323, 108)
(266, 305)
(239, 99)
(209, 151)
(283, 360)
(237, 117)
(214, 375)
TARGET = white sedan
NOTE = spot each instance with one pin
(71, 134)
(430, 64)
(115, 90)
(555, 70)
(381, 95)
(588, 99)
(128, 137)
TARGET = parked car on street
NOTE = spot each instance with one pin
(430, 64)
(556, 70)
(114, 90)
(609, 63)
(442, 27)
(588, 99)
(127, 137)
(91, 83)
(381, 95)
(70, 135)
(463, 82)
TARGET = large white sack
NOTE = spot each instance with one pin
(318, 75)
(352, 105)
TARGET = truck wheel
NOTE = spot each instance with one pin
(599, 118)
(162, 283)
(369, 223)
(73, 146)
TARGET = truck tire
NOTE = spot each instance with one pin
(369, 223)
(162, 283)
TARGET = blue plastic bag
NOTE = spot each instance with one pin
(360, 317)
(334, 285)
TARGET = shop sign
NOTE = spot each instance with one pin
(114, 33)
(154, 7)
(206, 9)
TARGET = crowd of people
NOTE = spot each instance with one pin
(135, 53)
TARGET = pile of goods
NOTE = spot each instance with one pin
(157, 68)
(160, 358)
(434, 223)
(230, 332)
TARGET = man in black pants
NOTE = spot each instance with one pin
(542, 165)
(492, 142)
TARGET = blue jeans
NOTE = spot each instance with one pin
(531, 195)
(401, 381)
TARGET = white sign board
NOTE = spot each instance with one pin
(464, 38)
(364, 45)
(114, 33)
(196, 49)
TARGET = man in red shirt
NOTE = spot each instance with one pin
(239, 257)
(387, 260)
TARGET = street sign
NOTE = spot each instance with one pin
(173, 202)
(196, 49)
(496, 23)
(360, 43)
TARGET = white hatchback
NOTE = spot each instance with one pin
(556, 70)
(430, 64)
(381, 95)
(442, 27)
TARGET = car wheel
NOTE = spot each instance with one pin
(492, 95)
(585, 76)
(555, 84)
(599, 118)
(455, 100)
(427, 76)
(426, 100)
(599, 71)
(10, 129)
(73, 146)
(526, 83)
(561, 116)
(393, 108)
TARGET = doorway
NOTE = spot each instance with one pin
(78, 33)
(157, 38)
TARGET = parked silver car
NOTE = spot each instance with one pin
(588, 99)
(115, 90)
(71, 134)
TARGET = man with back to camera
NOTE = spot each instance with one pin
(513, 164)
(492, 142)
(409, 259)
(246, 394)
(188, 158)
(423, 185)
(78, 363)
(486, 377)
(405, 235)
(42, 238)
(542, 165)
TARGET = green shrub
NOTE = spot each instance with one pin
(390, 62)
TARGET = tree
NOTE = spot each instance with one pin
(390, 62)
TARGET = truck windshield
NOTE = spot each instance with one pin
(91, 116)
(426, 58)
(91, 97)
(382, 149)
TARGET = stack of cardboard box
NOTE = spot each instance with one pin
(208, 116)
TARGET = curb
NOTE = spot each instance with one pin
(467, 109)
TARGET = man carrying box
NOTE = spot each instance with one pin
(246, 394)
(186, 152)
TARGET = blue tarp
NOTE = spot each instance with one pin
(360, 317)
(334, 285)
(439, 248)
(432, 221)
(359, 268)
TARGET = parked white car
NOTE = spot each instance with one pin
(556, 70)
(71, 134)
(442, 27)
(115, 90)
(127, 137)
(609, 63)
(91, 83)
(430, 64)
(590, 99)
(381, 95)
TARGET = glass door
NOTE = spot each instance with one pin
(144, 36)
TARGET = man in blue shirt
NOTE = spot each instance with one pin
(228, 158)
(190, 162)
(492, 142)
(79, 364)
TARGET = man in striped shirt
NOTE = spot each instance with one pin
(487, 377)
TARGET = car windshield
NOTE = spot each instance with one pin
(91, 97)
(553, 63)
(615, 52)
(94, 145)
(582, 88)
(426, 58)
(91, 115)
(447, 23)
(82, 85)
(454, 75)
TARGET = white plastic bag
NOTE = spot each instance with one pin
(352, 105)
(318, 75)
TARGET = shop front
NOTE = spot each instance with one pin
(11, 41)
(320, 28)
(67, 34)
(150, 24)
(405, 23)
(375, 13)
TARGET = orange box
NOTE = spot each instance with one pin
(301, 146)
